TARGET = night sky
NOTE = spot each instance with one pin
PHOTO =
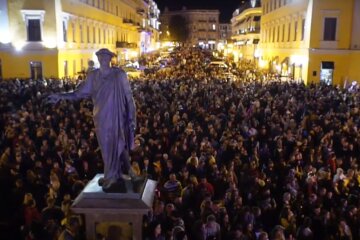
(226, 7)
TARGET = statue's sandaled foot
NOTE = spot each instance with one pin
(101, 181)
(115, 187)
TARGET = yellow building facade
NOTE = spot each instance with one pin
(245, 25)
(57, 38)
(311, 40)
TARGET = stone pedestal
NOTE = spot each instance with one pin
(99, 207)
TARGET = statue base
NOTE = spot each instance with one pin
(99, 207)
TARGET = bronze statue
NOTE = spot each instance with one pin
(114, 117)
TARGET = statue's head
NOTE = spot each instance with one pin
(104, 56)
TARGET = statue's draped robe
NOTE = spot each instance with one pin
(114, 116)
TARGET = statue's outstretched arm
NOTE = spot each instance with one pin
(82, 91)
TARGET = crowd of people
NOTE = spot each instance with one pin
(233, 160)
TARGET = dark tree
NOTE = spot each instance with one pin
(178, 29)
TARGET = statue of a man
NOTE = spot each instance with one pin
(114, 117)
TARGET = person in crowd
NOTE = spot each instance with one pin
(71, 232)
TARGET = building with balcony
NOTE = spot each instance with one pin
(56, 38)
(311, 40)
(202, 25)
(149, 28)
(245, 25)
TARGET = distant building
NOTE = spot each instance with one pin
(56, 38)
(245, 25)
(203, 26)
(311, 40)
(224, 31)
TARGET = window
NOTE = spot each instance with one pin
(33, 21)
(213, 27)
(73, 32)
(82, 65)
(289, 32)
(330, 29)
(64, 25)
(104, 36)
(295, 30)
(66, 73)
(283, 33)
(34, 30)
(99, 36)
(81, 33)
(117, 10)
(74, 67)
(88, 34)
(278, 34)
(303, 30)
(94, 35)
(273, 35)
